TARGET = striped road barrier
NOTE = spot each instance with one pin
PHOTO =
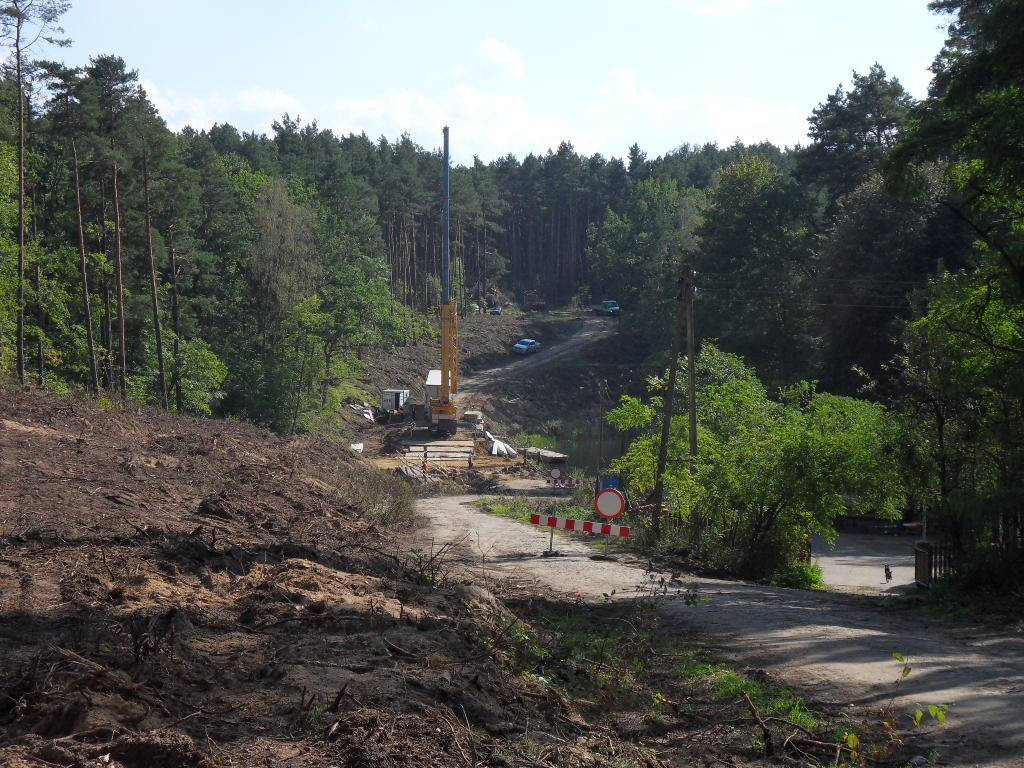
(586, 526)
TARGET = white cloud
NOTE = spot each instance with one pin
(725, 7)
(484, 123)
(260, 107)
(264, 100)
(634, 111)
(492, 122)
(503, 58)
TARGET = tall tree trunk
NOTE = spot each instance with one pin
(21, 199)
(93, 373)
(108, 328)
(176, 323)
(154, 296)
(40, 322)
(121, 345)
(40, 311)
(298, 388)
(108, 338)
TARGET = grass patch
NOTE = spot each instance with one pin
(616, 663)
(514, 507)
(727, 683)
(534, 440)
(599, 655)
(952, 600)
(599, 662)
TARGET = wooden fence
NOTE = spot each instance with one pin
(932, 562)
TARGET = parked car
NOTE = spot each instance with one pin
(608, 307)
(495, 310)
(525, 346)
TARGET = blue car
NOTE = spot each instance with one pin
(525, 346)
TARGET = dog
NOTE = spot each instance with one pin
(888, 574)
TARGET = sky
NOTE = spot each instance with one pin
(509, 77)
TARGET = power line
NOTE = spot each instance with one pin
(776, 294)
(842, 281)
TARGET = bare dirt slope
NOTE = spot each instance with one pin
(828, 645)
(589, 330)
(559, 381)
(484, 340)
(185, 592)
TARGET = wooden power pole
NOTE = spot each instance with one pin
(657, 496)
(690, 292)
(684, 314)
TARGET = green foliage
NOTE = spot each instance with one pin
(799, 576)
(769, 472)
(756, 259)
(201, 375)
(635, 254)
(851, 131)
(527, 439)
(961, 380)
(297, 251)
(961, 371)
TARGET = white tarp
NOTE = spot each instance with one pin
(363, 410)
(499, 448)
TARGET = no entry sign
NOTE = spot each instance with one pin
(610, 503)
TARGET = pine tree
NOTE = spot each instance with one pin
(25, 23)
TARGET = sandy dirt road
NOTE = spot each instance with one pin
(594, 329)
(856, 562)
(830, 646)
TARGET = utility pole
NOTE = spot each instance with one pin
(657, 496)
(690, 291)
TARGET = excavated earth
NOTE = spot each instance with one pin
(184, 592)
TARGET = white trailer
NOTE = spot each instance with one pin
(393, 399)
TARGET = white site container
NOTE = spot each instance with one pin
(393, 399)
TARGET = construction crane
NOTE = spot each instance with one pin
(443, 384)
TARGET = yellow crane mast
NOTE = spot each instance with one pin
(443, 413)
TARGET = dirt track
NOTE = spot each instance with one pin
(594, 328)
(856, 562)
(830, 646)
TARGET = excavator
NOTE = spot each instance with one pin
(443, 383)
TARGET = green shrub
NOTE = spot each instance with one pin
(769, 471)
(799, 576)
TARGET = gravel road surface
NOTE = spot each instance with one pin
(830, 646)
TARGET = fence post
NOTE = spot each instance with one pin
(923, 564)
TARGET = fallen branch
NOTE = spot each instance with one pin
(458, 744)
(769, 744)
(396, 649)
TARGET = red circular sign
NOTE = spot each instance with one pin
(610, 503)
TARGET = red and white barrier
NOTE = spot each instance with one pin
(586, 526)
